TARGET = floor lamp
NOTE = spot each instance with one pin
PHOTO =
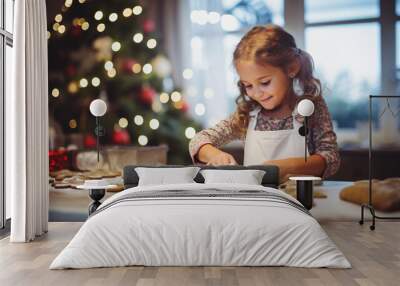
(304, 184)
(98, 108)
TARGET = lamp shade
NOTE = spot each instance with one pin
(98, 107)
(305, 107)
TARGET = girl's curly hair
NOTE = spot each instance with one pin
(272, 45)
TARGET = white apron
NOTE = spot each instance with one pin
(261, 146)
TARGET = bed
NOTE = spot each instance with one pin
(198, 224)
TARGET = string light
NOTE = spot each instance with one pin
(176, 96)
(136, 68)
(76, 22)
(95, 81)
(213, 17)
(142, 139)
(56, 26)
(72, 124)
(137, 10)
(151, 44)
(178, 105)
(68, 3)
(147, 68)
(138, 37)
(156, 106)
(112, 72)
(101, 27)
(98, 15)
(193, 16)
(138, 120)
(55, 92)
(73, 87)
(200, 109)
(83, 82)
(202, 17)
(127, 12)
(187, 74)
(123, 122)
(116, 46)
(154, 124)
(82, 1)
(61, 29)
(164, 97)
(48, 35)
(85, 26)
(113, 17)
(58, 18)
(108, 65)
(190, 132)
(199, 17)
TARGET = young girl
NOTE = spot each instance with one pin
(274, 76)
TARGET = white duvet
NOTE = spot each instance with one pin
(200, 231)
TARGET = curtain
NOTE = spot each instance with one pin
(27, 124)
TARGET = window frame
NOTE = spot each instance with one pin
(295, 23)
(6, 39)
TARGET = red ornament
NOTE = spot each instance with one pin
(185, 106)
(147, 95)
(58, 160)
(121, 137)
(76, 31)
(127, 65)
(71, 70)
(149, 26)
(89, 141)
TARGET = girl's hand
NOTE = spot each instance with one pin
(215, 157)
(222, 158)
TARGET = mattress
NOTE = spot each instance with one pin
(201, 225)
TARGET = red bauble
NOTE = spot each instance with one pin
(76, 31)
(127, 65)
(71, 70)
(90, 141)
(121, 137)
(185, 106)
(58, 160)
(147, 95)
(149, 26)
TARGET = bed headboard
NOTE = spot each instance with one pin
(270, 179)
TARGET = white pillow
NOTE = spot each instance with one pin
(163, 176)
(248, 177)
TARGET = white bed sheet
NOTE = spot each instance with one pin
(200, 231)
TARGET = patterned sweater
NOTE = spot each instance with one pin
(321, 137)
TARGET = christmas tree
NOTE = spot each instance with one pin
(109, 50)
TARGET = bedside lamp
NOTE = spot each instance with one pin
(98, 108)
(304, 184)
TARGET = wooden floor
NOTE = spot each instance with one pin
(375, 257)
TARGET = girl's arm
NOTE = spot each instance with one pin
(204, 145)
(213, 156)
(314, 166)
(323, 139)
